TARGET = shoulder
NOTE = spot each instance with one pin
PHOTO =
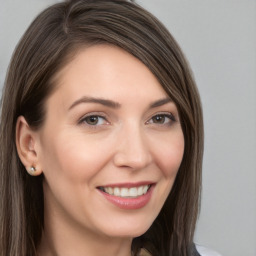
(203, 251)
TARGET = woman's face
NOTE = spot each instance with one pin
(110, 147)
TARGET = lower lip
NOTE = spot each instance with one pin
(129, 203)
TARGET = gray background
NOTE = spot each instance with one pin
(219, 39)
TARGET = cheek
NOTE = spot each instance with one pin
(75, 159)
(170, 154)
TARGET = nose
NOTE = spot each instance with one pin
(132, 149)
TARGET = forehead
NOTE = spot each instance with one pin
(106, 71)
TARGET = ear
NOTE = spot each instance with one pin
(26, 139)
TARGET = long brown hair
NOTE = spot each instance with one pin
(47, 45)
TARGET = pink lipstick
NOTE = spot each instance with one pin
(128, 196)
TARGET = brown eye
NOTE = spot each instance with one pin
(94, 120)
(159, 119)
(162, 119)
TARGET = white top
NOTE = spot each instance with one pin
(203, 251)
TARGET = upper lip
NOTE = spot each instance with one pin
(128, 184)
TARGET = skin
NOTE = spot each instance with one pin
(131, 141)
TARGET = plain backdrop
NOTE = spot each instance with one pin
(219, 40)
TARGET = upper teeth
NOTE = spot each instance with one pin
(126, 192)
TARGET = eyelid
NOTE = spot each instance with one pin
(169, 115)
(97, 114)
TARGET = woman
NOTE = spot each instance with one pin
(101, 136)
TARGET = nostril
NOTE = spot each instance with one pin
(131, 162)
(132, 153)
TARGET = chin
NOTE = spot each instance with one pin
(128, 229)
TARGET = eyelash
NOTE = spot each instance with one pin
(104, 120)
(97, 117)
(169, 116)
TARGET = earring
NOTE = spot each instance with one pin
(32, 170)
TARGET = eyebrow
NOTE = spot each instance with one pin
(107, 103)
(160, 102)
(113, 104)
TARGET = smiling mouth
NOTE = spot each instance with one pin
(132, 192)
